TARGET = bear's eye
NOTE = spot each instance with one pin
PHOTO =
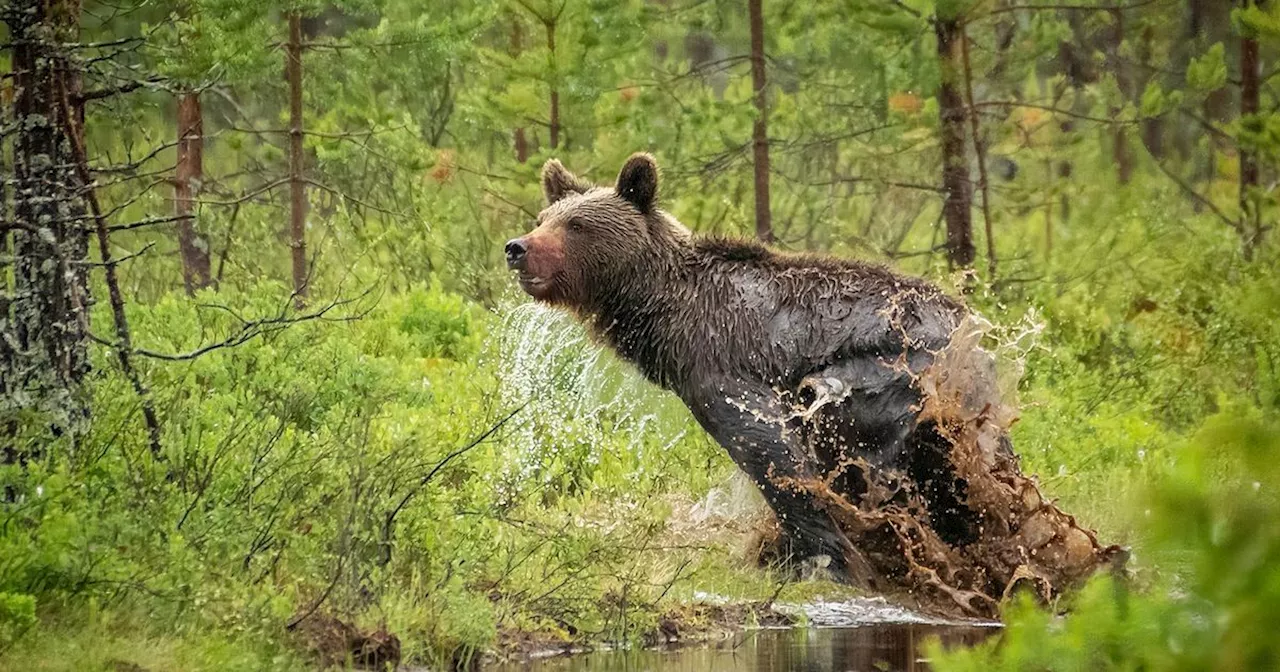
(575, 225)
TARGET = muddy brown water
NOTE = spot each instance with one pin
(875, 648)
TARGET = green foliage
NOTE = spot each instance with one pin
(92, 639)
(328, 462)
(1212, 518)
(322, 463)
(1157, 102)
(17, 615)
(441, 323)
(1209, 71)
(1258, 19)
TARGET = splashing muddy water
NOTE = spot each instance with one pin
(900, 544)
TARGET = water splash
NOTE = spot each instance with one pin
(581, 403)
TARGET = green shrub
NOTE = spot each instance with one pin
(17, 616)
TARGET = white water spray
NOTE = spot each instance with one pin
(580, 402)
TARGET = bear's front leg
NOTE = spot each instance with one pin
(751, 424)
(861, 408)
(862, 414)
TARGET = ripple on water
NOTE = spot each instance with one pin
(857, 612)
(868, 611)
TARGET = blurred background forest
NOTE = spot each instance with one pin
(262, 367)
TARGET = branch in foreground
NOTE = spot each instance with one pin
(122, 345)
(390, 522)
(251, 329)
(117, 262)
(1199, 198)
(108, 92)
(904, 7)
(1055, 110)
(149, 221)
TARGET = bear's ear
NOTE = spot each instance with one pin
(638, 182)
(558, 182)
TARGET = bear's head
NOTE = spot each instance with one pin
(591, 240)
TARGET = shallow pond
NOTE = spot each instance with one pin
(874, 648)
(854, 635)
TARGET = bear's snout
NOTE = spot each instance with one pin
(516, 250)
(537, 258)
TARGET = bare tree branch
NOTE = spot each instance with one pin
(251, 329)
(389, 524)
(127, 257)
(122, 345)
(903, 6)
(1055, 110)
(1197, 196)
(116, 90)
(149, 221)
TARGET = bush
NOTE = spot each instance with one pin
(17, 616)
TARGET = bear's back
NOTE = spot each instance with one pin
(811, 310)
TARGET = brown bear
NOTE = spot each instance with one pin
(805, 368)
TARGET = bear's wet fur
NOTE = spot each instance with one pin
(804, 367)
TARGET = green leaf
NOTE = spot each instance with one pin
(1255, 21)
(1154, 100)
(1209, 72)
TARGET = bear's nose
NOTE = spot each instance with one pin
(516, 250)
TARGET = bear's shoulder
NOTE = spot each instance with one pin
(712, 249)
(727, 257)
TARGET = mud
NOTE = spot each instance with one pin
(702, 621)
(966, 555)
(333, 642)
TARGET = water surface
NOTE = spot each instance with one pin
(877, 648)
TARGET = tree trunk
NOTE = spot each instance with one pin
(760, 130)
(190, 173)
(1212, 25)
(955, 169)
(1206, 22)
(1120, 138)
(1076, 61)
(44, 321)
(980, 152)
(521, 143)
(1250, 214)
(297, 184)
(1152, 127)
(554, 122)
